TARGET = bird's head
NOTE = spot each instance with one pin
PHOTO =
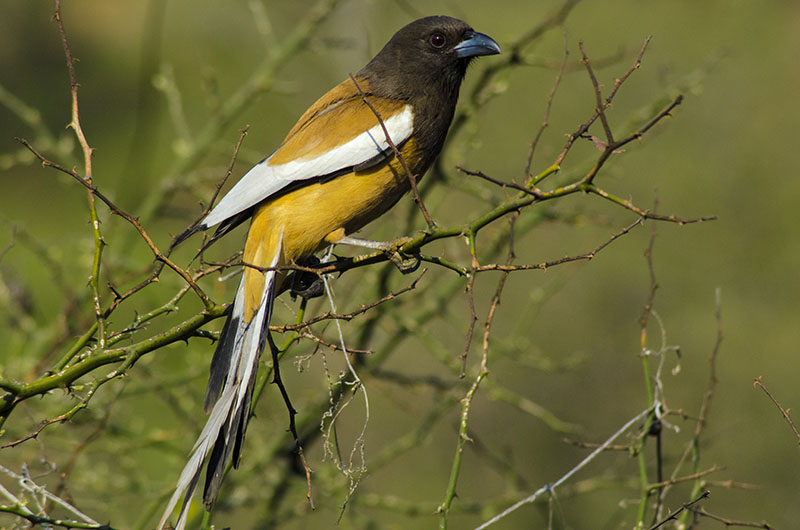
(432, 51)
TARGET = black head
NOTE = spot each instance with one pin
(429, 55)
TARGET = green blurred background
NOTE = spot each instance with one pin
(568, 338)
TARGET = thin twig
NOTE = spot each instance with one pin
(483, 369)
(730, 523)
(75, 124)
(617, 84)
(615, 146)
(687, 478)
(129, 218)
(583, 463)
(628, 205)
(178, 238)
(760, 383)
(587, 256)
(591, 445)
(598, 93)
(693, 447)
(330, 345)
(329, 315)
(547, 108)
(473, 318)
(412, 179)
(675, 514)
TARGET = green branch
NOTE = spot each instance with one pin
(127, 356)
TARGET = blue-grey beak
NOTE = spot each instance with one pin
(476, 44)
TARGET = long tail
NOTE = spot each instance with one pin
(230, 391)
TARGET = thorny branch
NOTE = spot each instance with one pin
(483, 371)
(329, 315)
(75, 124)
(546, 118)
(217, 189)
(131, 219)
(687, 506)
(730, 523)
(785, 413)
(601, 108)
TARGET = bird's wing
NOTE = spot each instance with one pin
(339, 132)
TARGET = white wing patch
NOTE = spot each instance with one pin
(265, 179)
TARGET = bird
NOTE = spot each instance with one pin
(339, 168)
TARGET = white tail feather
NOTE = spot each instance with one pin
(236, 394)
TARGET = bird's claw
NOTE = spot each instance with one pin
(405, 263)
(306, 284)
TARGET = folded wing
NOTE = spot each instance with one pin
(310, 151)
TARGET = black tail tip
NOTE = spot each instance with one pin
(186, 234)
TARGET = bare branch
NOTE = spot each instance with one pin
(730, 523)
(131, 219)
(548, 107)
(412, 179)
(348, 316)
(598, 93)
(686, 506)
(784, 412)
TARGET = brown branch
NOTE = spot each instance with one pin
(598, 94)
(501, 283)
(154, 278)
(242, 135)
(180, 237)
(686, 478)
(636, 65)
(567, 259)
(712, 375)
(473, 317)
(207, 302)
(648, 306)
(73, 83)
(35, 433)
(675, 514)
(513, 185)
(628, 205)
(75, 124)
(594, 445)
(586, 185)
(614, 147)
(348, 316)
(547, 108)
(330, 345)
(617, 84)
(784, 412)
(730, 522)
(731, 484)
(411, 178)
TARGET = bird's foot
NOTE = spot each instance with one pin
(405, 263)
(305, 283)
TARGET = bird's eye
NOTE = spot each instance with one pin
(438, 40)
